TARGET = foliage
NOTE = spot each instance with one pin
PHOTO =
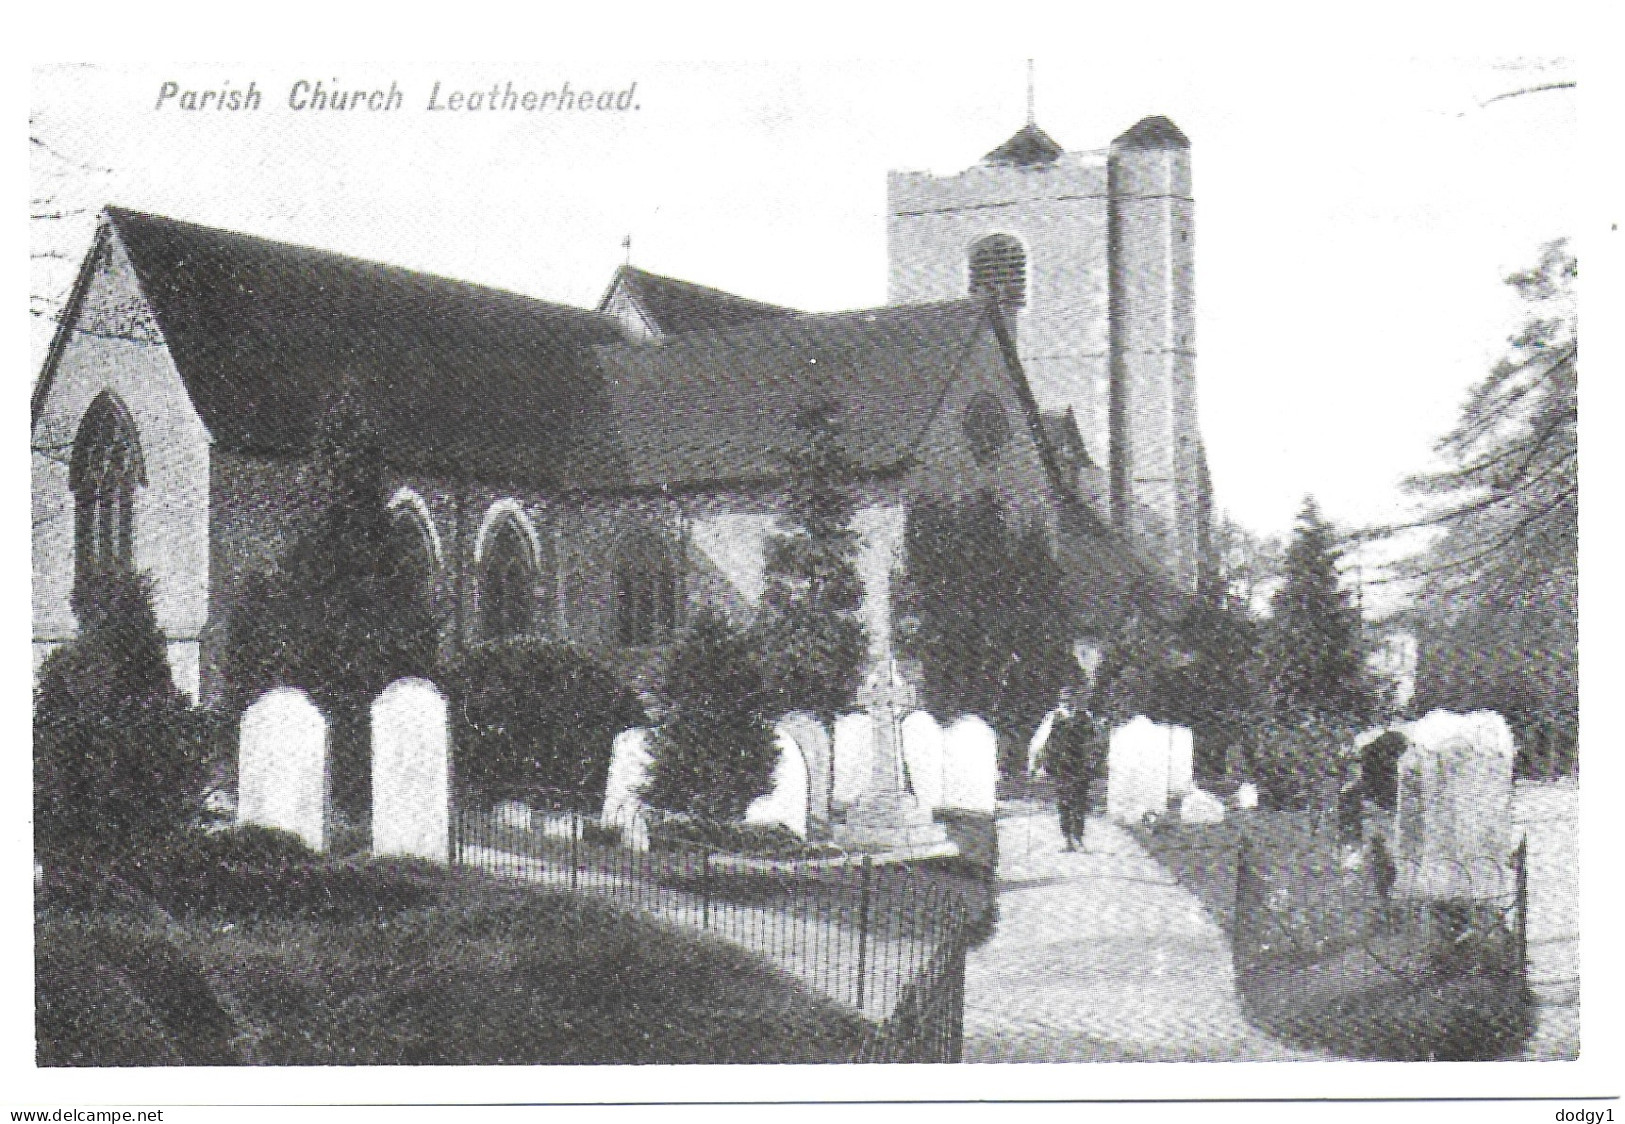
(1498, 598)
(1298, 763)
(985, 611)
(758, 840)
(532, 714)
(812, 642)
(715, 752)
(120, 760)
(345, 612)
(1316, 665)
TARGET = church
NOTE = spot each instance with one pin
(598, 475)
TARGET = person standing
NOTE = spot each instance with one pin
(1069, 760)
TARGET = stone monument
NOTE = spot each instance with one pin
(411, 772)
(1137, 771)
(1454, 820)
(786, 803)
(282, 778)
(923, 753)
(887, 817)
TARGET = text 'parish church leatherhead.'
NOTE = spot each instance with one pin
(599, 475)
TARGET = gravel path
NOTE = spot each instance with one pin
(1100, 956)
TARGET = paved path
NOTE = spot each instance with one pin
(1100, 956)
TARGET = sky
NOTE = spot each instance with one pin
(1355, 214)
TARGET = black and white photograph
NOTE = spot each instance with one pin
(973, 576)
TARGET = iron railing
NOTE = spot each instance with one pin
(887, 940)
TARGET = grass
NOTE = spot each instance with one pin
(1322, 962)
(431, 967)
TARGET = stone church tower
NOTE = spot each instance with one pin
(1090, 255)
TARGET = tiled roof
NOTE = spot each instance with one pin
(672, 306)
(721, 405)
(454, 375)
(1153, 132)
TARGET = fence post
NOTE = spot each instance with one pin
(1244, 874)
(863, 926)
(705, 887)
(1520, 867)
(575, 847)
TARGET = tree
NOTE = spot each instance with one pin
(345, 612)
(1498, 597)
(812, 642)
(1314, 653)
(987, 617)
(119, 758)
(715, 751)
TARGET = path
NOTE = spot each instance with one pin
(1100, 956)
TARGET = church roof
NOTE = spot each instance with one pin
(454, 375)
(1028, 147)
(721, 406)
(1153, 132)
(672, 306)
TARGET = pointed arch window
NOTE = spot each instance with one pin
(646, 581)
(103, 475)
(414, 552)
(998, 265)
(508, 584)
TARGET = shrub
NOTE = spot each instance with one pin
(535, 714)
(120, 759)
(715, 752)
(758, 840)
(1295, 762)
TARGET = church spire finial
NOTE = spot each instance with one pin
(1029, 91)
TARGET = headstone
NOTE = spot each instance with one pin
(1137, 771)
(970, 765)
(512, 813)
(786, 802)
(623, 791)
(1181, 761)
(1040, 740)
(411, 771)
(854, 758)
(282, 778)
(809, 733)
(1201, 807)
(1454, 821)
(923, 754)
(1247, 796)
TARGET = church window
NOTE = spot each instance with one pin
(645, 592)
(986, 427)
(507, 584)
(998, 265)
(103, 475)
(413, 547)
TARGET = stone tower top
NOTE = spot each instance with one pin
(1152, 132)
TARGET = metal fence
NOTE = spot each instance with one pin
(1336, 931)
(887, 940)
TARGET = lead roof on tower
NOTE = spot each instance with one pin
(1153, 132)
(1030, 146)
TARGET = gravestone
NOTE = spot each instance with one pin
(1247, 796)
(1181, 761)
(282, 778)
(786, 802)
(512, 813)
(1137, 771)
(1454, 817)
(623, 791)
(854, 758)
(1039, 742)
(1201, 807)
(923, 754)
(411, 771)
(809, 734)
(970, 765)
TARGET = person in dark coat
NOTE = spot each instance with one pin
(1070, 758)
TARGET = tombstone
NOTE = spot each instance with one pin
(1247, 796)
(1040, 740)
(514, 814)
(923, 754)
(1137, 771)
(786, 802)
(813, 739)
(854, 758)
(623, 791)
(1201, 807)
(282, 777)
(1181, 761)
(411, 771)
(1454, 818)
(970, 765)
